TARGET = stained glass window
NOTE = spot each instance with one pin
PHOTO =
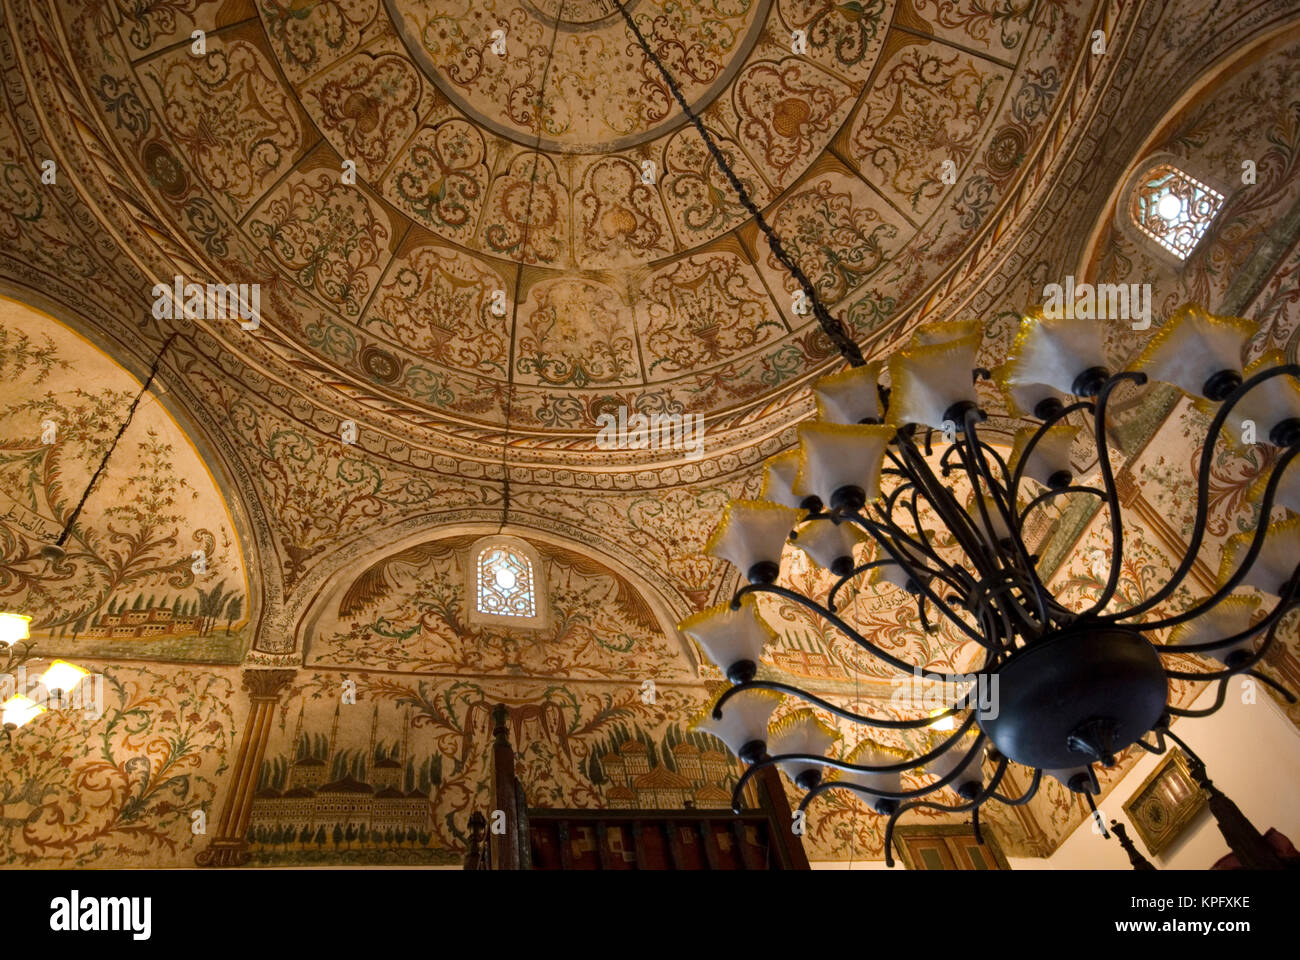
(1174, 209)
(505, 583)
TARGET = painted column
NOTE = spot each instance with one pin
(229, 846)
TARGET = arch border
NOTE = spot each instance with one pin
(425, 528)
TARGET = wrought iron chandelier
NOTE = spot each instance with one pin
(1074, 688)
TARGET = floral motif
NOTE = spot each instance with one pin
(368, 107)
(308, 37)
(788, 111)
(620, 218)
(837, 240)
(439, 302)
(441, 178)
(700, 198)
(701, 310)
(230, 98)
(575, 332)
(80, 790)
(927, 108)
(842, 34)
(527, 212)
(326, 235)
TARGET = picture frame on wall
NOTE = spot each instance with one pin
(1165, 804)
(948, 847)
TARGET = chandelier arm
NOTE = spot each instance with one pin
(886, 528)
(1006, 581)
(830, 707)
(1204, 712)
(922, 547)
(1256, 544)
(840, 625)
(1108, 483)
(1005, 500)
(922, 586)
(1038, 434)
(976, 468)
(1250, 660)
(855, 572)
(945, 505)
(915, 512)
(1269, 681)
(1277, 613)
(901, 536)
(1202, 500)
(1025, 797)
(971, 805)
(1049, 494)
(858, 788)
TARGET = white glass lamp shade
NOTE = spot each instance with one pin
(19, 710)
(1267, 405)
(744, 721)
(779, 474)
(1277, 559)
(1049, 461)
(1053, 352)
(752, 535)
(829, 544)
(930, 334)
(14, 628)
(63, 676)
(834, 457)
(996, 528)
(929, 384)
(1192, 348)
(1229, 617)
(1027, 399)
(972, 772)
(732, 640)
(850, 396)
(801, 732)
(868, 753)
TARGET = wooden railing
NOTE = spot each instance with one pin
(603, 839)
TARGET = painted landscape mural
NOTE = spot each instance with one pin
(152, 568)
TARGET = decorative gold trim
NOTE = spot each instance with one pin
(1186, 312)
(705, 714)
(797, 718)
(791, 455)
(1180, 632)
(1025, 434)
(747, 602)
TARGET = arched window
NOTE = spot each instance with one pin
(1173, 208)
(505, 581)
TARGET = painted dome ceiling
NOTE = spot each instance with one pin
(511, 243)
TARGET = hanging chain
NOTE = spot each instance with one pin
(103, 463)
(832, 327)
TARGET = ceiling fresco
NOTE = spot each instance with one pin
(562, 174)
